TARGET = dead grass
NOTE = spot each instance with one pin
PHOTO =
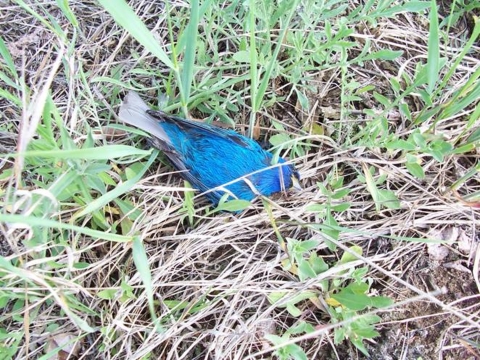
(212, 281)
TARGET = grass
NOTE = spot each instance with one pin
(105, 252)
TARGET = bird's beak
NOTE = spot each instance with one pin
(295, 183)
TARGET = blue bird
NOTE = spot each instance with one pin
(214, 160)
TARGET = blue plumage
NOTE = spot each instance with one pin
(210, 157)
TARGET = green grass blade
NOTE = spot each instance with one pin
(5, 54)
(253, 67)
(8, 96)
(124, 15)
(465, 50)
(268, 72)
(118, 191)
(141, 263)
(63, 5)
(44, 22)
(47, 223)
(191, 46)
(433, 61)
(469, 94)
(97, 153)
(372, 188)
(29, 276)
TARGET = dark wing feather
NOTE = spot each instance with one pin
(187, 125)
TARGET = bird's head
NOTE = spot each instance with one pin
(276, 178)
(288, 176)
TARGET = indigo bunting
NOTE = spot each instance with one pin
(214, 160)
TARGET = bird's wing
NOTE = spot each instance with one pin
(134, 111)
(178, 163)
(199, 127)
(202, 129)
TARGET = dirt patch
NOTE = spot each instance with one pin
(422, 329)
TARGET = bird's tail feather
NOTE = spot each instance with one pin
(133, 111)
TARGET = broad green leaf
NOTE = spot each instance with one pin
(371, 186)
(395, 84)
(305, 270)
(405, 110)
(293, 310)
(347, 257)
(331, 229)
(315, 208)
(382, 99)
(339, 335)
(419, 140)
(279, 139)
(341, 193)
(307, 245)
(295, 352)
(358, 288)
(242, 56)
(280, 295)
(81, 265)
(359, 345)
(400, 145)
(383, 55)
(108, 294)
(301, 328)
(367, 332)
(356, 302)
(388, 199)
(275, 339)
(341, 207)
(233, 205)
(317, 263)
(416, 170)
(381, 301)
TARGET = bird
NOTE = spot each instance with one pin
(214, 160)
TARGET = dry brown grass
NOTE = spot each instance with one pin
(227, 265)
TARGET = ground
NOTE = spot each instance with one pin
(107, 253)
